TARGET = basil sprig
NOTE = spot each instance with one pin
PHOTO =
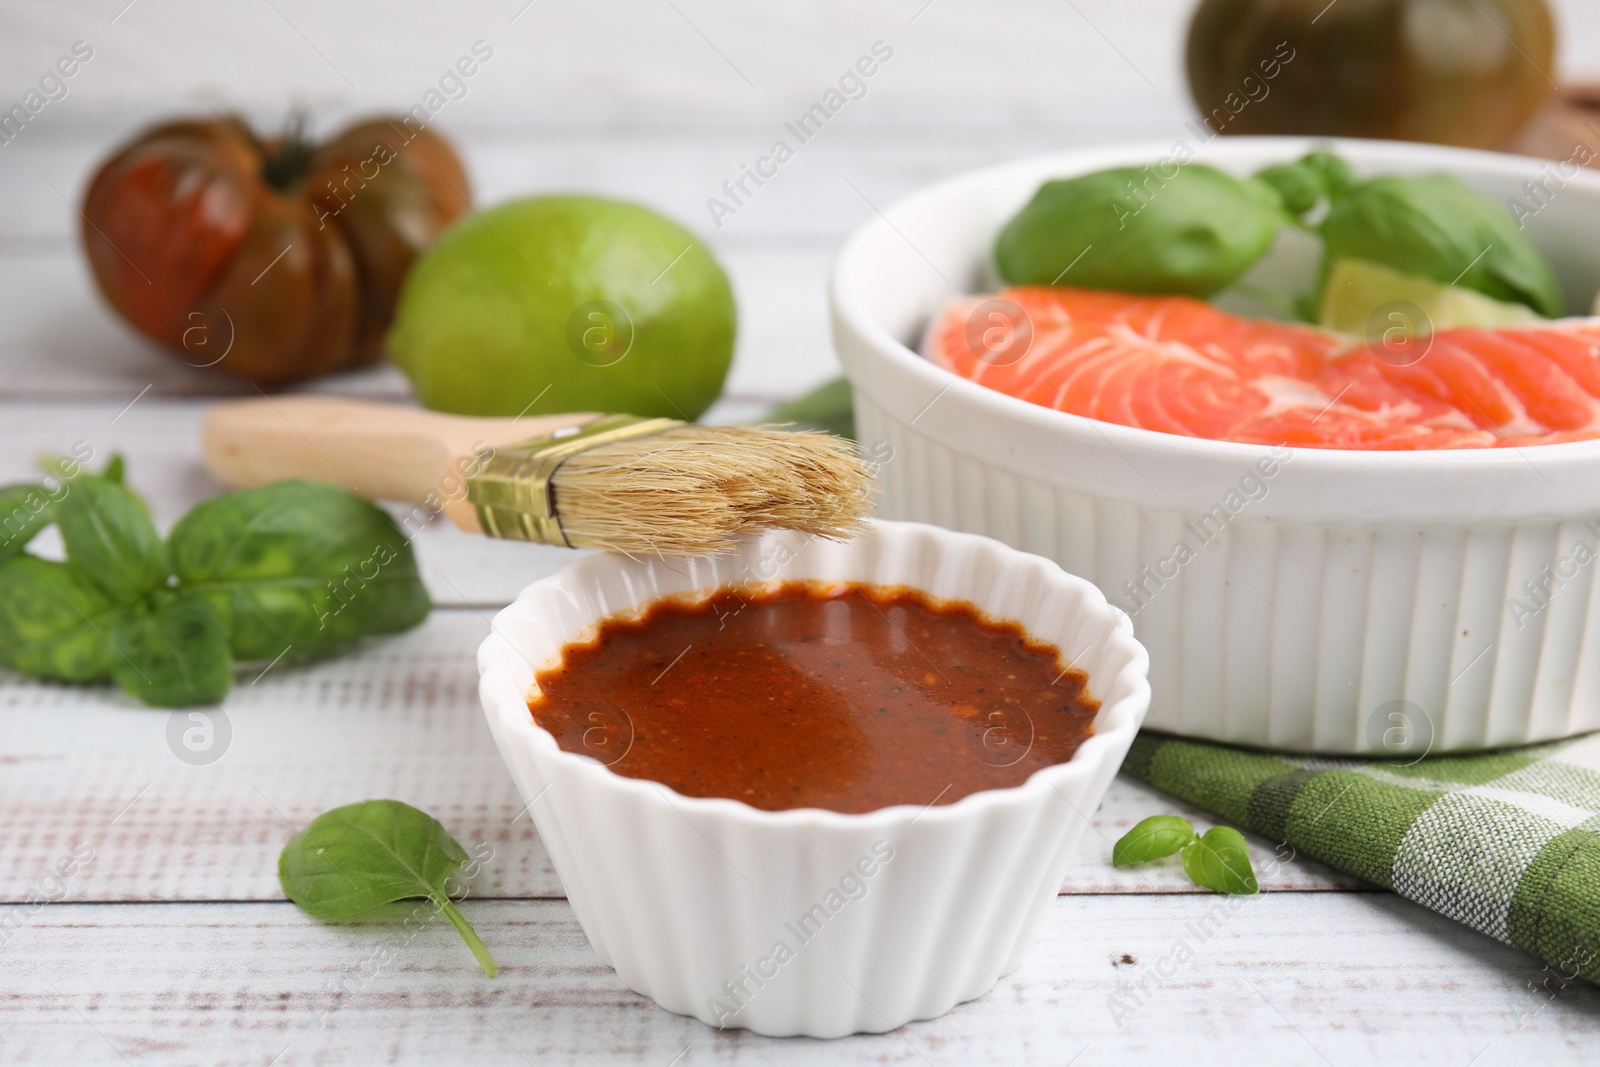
(1308, 181)
(359, 857)
(1192, 229)
(1429, 225)
(1218, 860)
(294, 570)
(298, 565)
(24, 511)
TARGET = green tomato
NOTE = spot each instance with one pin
(1187, 229)
(566, 303)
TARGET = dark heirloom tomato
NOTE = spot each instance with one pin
(1462, 72)
(272, 260)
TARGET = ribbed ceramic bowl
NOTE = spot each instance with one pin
(1349, 602)
(884, 917)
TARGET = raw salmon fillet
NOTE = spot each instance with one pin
(1182, 366)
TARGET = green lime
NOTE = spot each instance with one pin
(566, 303)
(1366, 298)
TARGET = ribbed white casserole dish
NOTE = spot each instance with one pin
(687, 897)
(1363, 603)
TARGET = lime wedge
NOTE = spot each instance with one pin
(1365, 298)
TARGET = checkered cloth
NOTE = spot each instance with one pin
(1506, 842)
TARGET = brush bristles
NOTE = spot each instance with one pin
(695, 490)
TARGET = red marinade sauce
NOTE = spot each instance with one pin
(817, 695)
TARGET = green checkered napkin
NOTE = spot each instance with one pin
(1506, 842)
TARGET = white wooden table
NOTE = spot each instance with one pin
(172, 944)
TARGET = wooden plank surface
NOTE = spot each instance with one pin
(1291, 979)
(171, 944)
(397, 718)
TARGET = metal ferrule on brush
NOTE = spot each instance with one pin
(513, 490)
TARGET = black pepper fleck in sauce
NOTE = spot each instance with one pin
(849, 698)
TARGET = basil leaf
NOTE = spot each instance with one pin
(1151, 839)
(1159, 229)
(25, 509)
(1308, 181)
(173, 653)
(1220, 860)
(111, 539)
(53, 621)
(298, 564)
(359, 857)
(1433, 225)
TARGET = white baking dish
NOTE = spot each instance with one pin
(1361, 603)
(687, 897)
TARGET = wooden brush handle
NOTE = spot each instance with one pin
(381, 451)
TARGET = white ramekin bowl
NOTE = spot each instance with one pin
(1355, 602)
(689, 897)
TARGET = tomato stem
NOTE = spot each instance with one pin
(285, 159)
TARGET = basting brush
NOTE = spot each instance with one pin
(613, 482)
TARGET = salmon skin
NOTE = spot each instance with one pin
(1181, 366)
